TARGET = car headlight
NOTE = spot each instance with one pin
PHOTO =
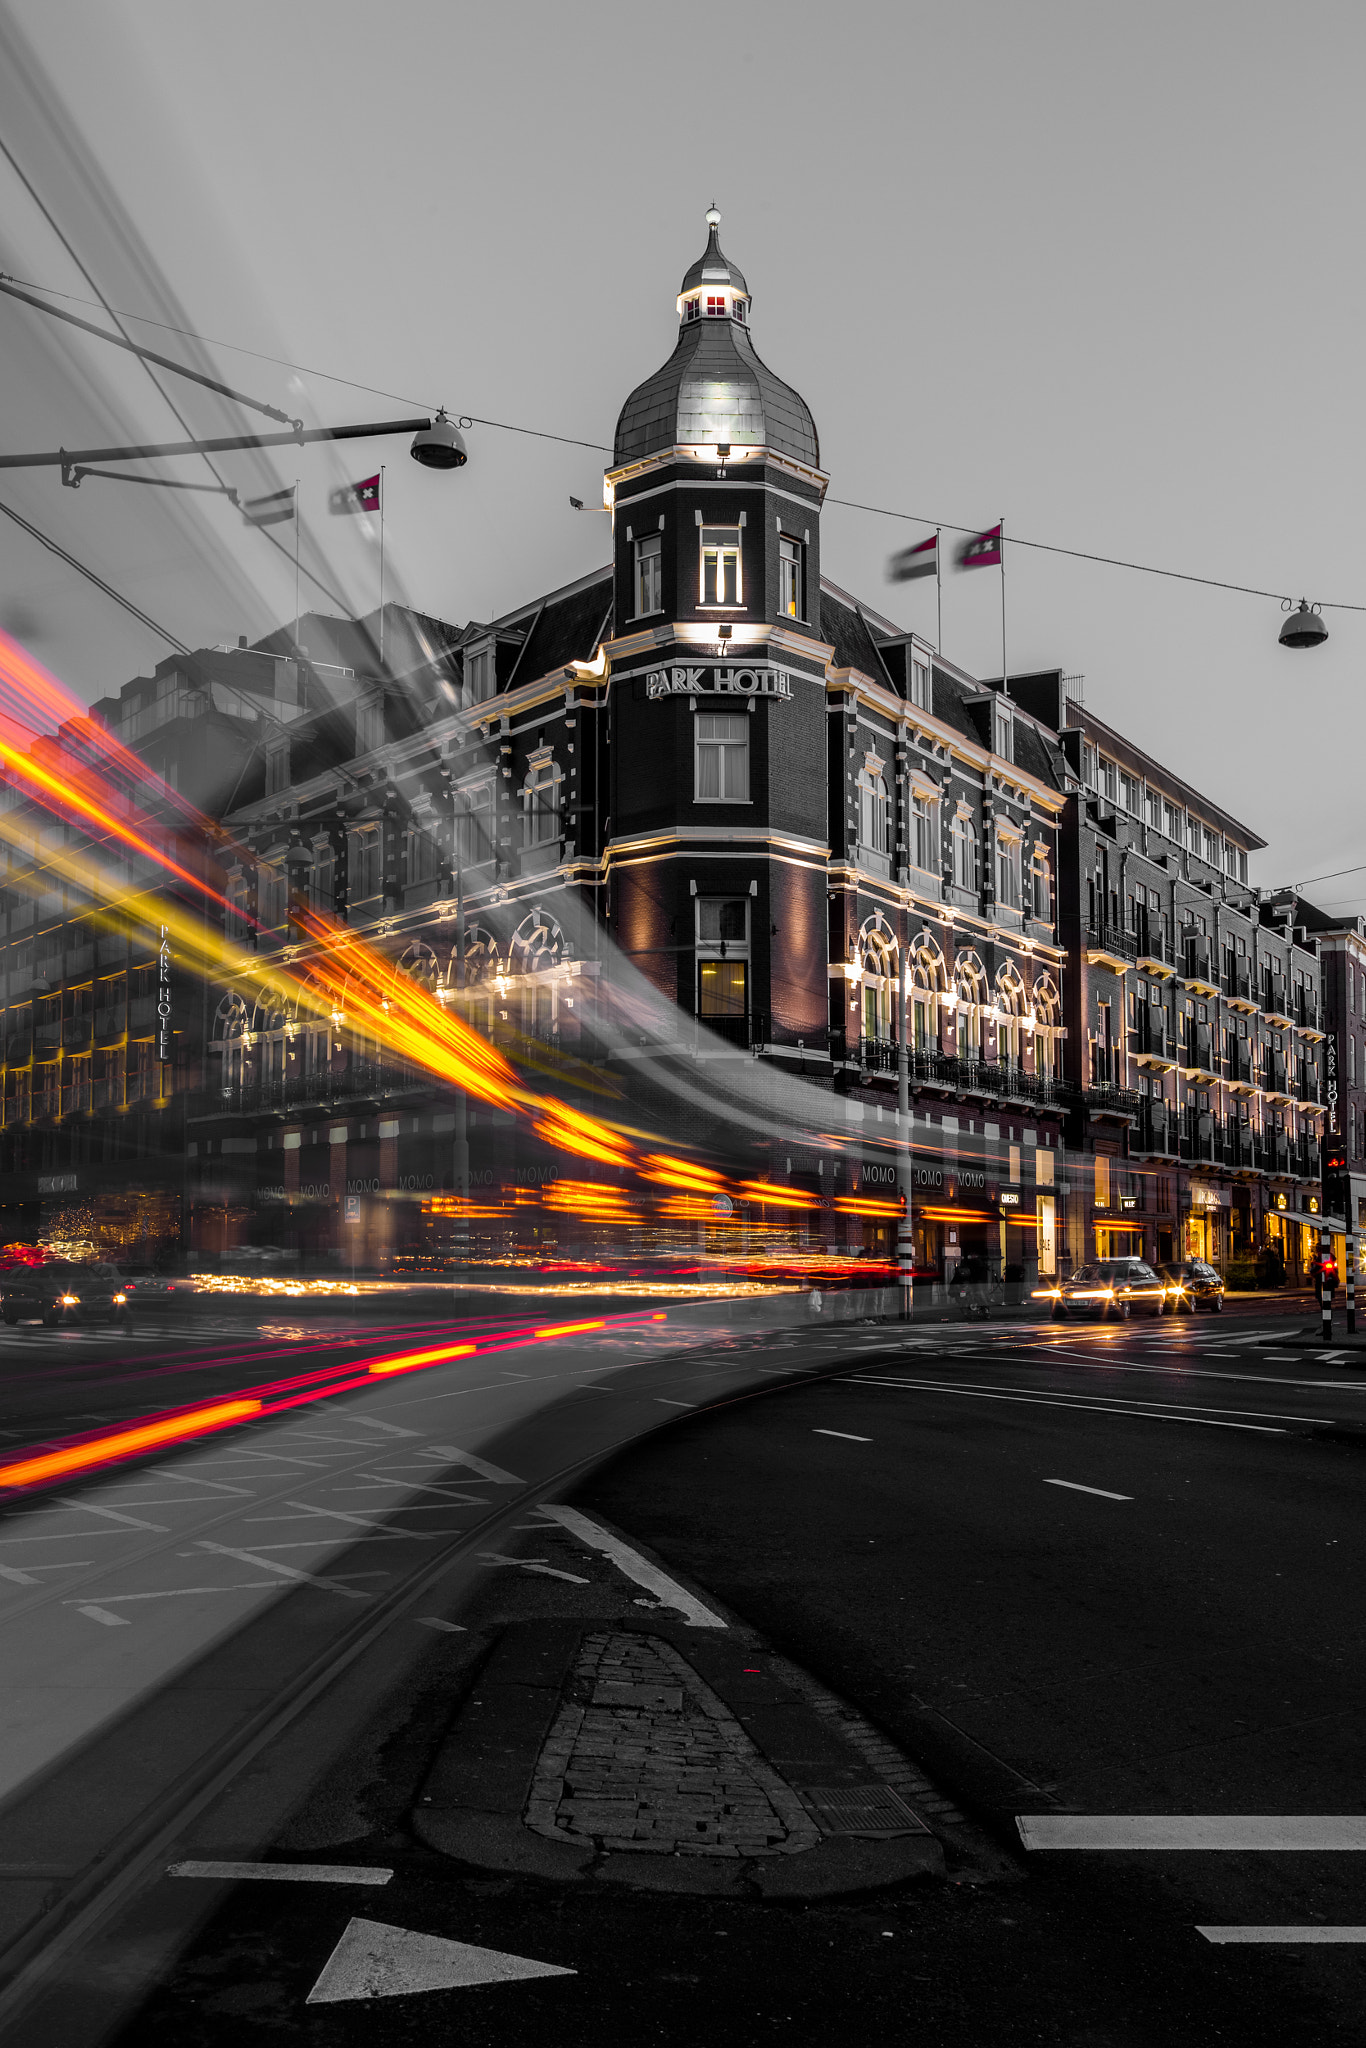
(119, 1300)
(71, 1301)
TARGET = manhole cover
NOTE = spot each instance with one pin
(863, 1810)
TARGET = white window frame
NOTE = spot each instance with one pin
(1009, 880)
(362, 839)
(481, 673)
(874, 811)
(728, 558)
(920, 682)
(924, 834)
(731, 750)
(541, 819)
(967, 853)
(649, 573)
(791, 577)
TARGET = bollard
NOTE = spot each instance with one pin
(1349, 1246)
(1325, 1286)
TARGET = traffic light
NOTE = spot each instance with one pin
(1336, 1188)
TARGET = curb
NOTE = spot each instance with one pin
(473, 1803)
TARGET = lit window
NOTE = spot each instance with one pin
(722, 928)
(790, 577)
(722, 745)
(541, 804)
(721, 565)
(721, 987)
(649, 575)
(716, 307)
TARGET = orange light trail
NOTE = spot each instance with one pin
(125, 1442)
(411, 1360)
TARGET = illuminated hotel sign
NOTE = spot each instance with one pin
(164, 996)
(1330, 1068)
(708, 679)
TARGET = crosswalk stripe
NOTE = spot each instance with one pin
(1193, 1831)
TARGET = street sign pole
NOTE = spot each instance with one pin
(905, 1232)
(1325, 1286)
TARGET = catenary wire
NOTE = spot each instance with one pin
(143, 618)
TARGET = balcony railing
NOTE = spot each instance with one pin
(1238, 1065)
(1152, 943)
(1113, 939)
(948, 1070)
(1155, 1131)
(1306, 1009)
(732, 1030)
(360, 1080)
(1237, 985)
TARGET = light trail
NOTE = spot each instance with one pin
(125, 1443)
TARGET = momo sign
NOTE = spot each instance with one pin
(709, 679)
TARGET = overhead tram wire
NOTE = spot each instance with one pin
(44, 540)
(601, 447)
(28, 185)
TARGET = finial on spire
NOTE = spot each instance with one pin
(713, 217)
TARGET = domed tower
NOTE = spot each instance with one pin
(719, 831)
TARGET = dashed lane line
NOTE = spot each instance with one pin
(287, 1873)
(1097, 1405)
(1274, 1832)
(1101, 1492)
(844, 1434)
(1285, 1936)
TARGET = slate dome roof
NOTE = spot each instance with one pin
(714, 386)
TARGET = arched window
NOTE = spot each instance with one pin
(875, 813)
(967, 872)
(877, 953)
(1010, 1008)
(972, 1020)
(1047, 1017)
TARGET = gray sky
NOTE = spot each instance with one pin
(1090, 267)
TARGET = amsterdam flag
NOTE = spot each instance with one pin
(361, 497)
(912, 563)
(268, 511)
(983, 551)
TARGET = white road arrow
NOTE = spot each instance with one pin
(375, 1961)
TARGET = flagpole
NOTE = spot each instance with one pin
(381, 565)
(1005, 677)
(296, 568)
(938, 591)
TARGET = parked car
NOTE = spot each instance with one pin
(1191, 1284)
(1109, 1288)
(63, 1291)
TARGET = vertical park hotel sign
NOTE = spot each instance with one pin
(164, 995)
(712, 679)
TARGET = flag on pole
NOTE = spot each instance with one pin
(268, 511)
(983, 551)
(913, 563)
(361, 497)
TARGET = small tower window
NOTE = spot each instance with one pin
(721, 565)
(790, 577)
(739, 311)
(692, 309)
(716, 306)
(649, 581)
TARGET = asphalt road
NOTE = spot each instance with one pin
(1070, 1571)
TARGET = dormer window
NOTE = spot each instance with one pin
(716, 306)
(692, 309)
(738, 309)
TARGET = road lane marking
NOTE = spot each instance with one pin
(434, 1621)
(664, 1402)
(285, 1571)
(634, 1566)
(450, 1456)
(1098, 1404)
(131, 1521)
(373, 1960)
(1073, 1486)
(288, 1873)
(1285, 1935)
(844, 1433)
(531, 1564)
(1193, 1831)
(103, 1614)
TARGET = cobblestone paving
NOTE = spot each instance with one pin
(648, 1758)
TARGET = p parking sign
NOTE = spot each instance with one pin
(352, 1210)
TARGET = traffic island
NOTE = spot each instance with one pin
(632, 1752)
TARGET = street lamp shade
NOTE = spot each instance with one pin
(1304, 626)
(440, 446)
